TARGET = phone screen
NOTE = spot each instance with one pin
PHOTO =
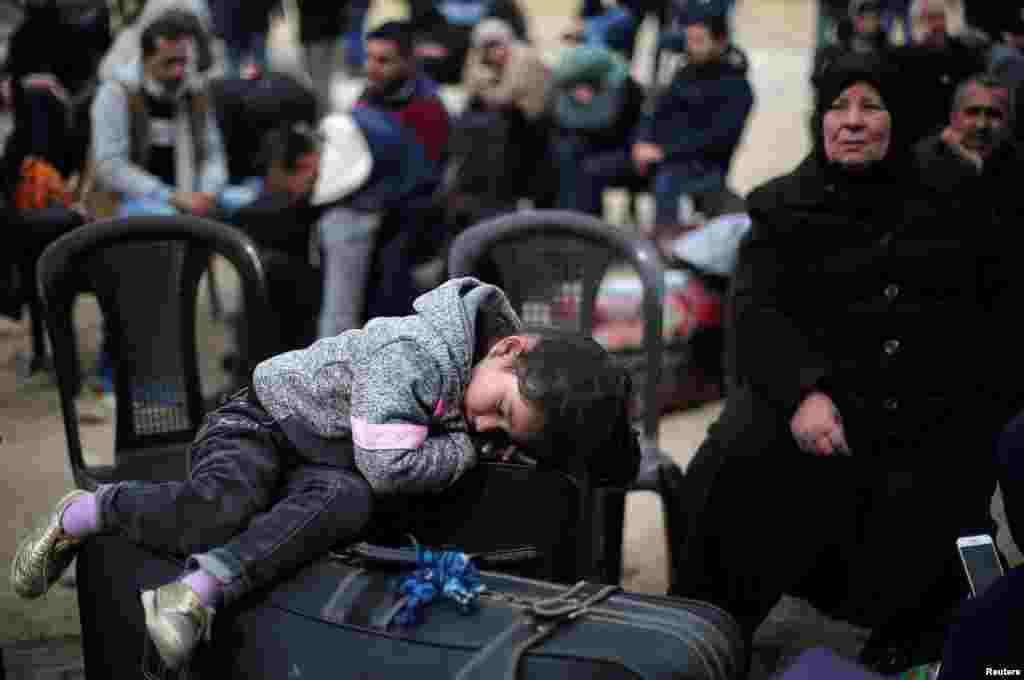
(982, 565)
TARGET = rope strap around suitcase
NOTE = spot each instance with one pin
(500, 658)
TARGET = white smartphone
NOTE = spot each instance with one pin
(980, 560)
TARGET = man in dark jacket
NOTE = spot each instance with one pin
(862, 32)
(686, 144)
(932, 64)
(395, 84)
(975, 157)
(280, 220)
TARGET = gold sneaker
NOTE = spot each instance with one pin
(176, 621)
(45, 553)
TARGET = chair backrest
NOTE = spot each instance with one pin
(145, 273)
(551, 264)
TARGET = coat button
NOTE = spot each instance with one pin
(891, 404)
(891, 291)
(890, 347)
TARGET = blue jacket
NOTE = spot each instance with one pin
(401, 171)
(702, 114)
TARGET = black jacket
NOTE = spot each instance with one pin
(992, 196)
(882, 293)
(929, 78)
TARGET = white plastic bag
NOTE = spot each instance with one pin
(712, 248)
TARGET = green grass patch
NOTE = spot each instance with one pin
(55, 615)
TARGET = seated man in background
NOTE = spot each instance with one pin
(281, 220)
(863, 32)
(373, 184)
(156, 148)
(155, 142)
(503, 73)
(932, 64)
(248, 109)
(687, 142)
(597, 104)
(505, 79)
(395, 84)
(975, 156)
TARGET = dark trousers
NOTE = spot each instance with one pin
(252, 509)
(1010, 458)
(986, 632)
(869, 538)
(584, 173)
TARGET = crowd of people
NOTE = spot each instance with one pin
(872, 397)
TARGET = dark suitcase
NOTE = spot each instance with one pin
(545, 519)
(337, 618)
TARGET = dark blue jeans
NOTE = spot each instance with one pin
(252, 509)
(584, 173)
(1010, 459)
(674, 180)
(981, 636)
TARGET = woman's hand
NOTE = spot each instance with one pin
(955, 141)
(817, 426)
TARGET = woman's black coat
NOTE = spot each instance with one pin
(890, 299)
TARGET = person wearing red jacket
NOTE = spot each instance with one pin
(395, 84)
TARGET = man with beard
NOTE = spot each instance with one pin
(155, 141)
(975, 155)
(395, 84)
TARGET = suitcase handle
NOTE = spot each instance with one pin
(406, 557)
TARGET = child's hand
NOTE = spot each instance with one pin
(491, 448)
(497, 449)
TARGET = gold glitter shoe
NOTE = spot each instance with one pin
(176, 621)
(45, 553)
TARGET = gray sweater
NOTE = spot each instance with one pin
(388, 397)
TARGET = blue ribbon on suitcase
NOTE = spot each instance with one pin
(448, 572)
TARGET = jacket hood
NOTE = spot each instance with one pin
(466, 314)
(129, 74)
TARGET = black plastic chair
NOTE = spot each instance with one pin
(551, 264)
(145, 273)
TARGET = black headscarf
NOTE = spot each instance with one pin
(875, 70)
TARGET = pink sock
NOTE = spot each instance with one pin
(205, 586)
(81, 518)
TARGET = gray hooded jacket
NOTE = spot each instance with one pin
(389, 397)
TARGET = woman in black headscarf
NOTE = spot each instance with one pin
(869, 358)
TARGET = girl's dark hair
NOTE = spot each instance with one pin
(584, 397)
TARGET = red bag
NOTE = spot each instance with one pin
(41, 186)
